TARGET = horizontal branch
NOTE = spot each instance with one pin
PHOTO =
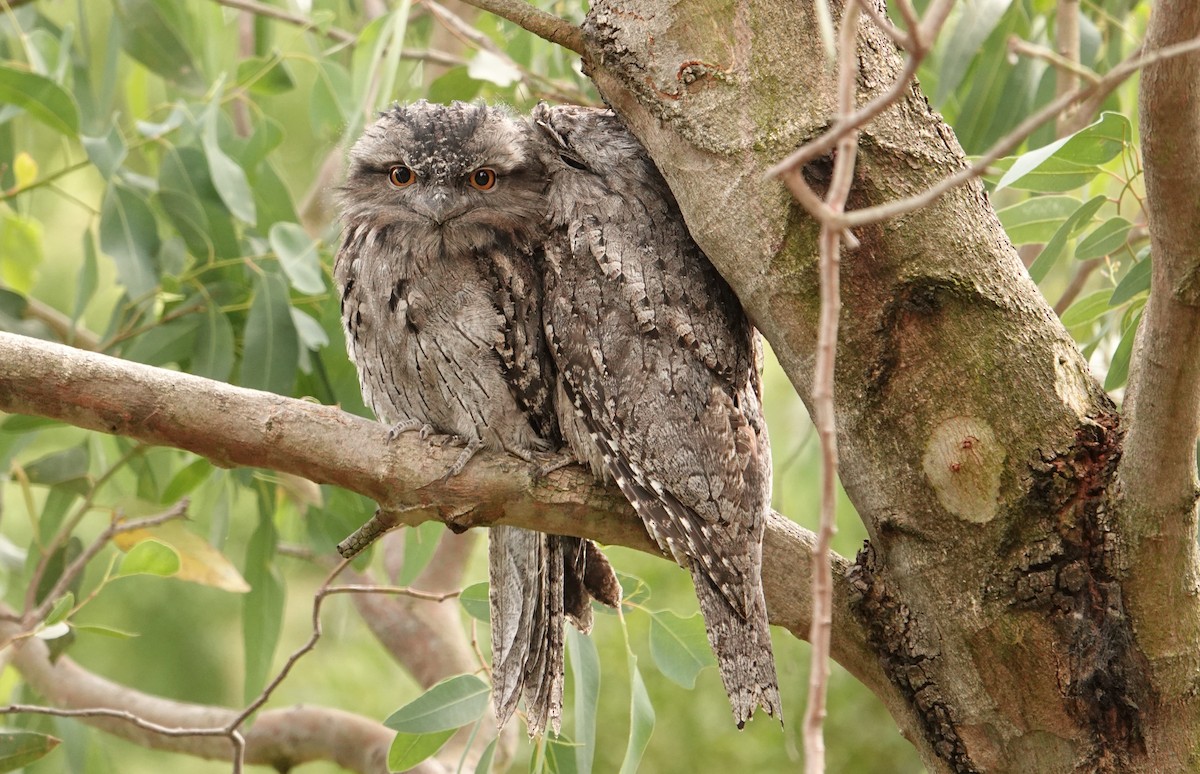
(281, 738)
(233, 426)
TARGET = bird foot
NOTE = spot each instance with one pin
(557, 462)
(464, 457)
(405, 425)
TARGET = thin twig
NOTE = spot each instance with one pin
(823, 402)
(1066, 33)
(898, 36)
(68, 526)
(1109, 81)
(917, 41)
(106, 712)
(545, 25)
(279, 14)
(334, 33)
(296, 655)
(63, 326)
(1082, 272)
(176, 511)
(1076, 71)
(402, 591)
(468, 34)
(37, 614)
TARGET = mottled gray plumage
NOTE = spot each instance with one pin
(443, 206)
(659, 387)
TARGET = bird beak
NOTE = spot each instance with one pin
(440, 210)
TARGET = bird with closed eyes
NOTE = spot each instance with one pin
(659, 388)
(443, 208)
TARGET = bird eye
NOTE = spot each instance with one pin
(483, 179)
(571, 161)
(401, 176)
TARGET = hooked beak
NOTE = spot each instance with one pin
(439, 208)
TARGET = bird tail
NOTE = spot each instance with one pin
(537, 582)
(742, 646)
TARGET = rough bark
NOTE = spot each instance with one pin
(990, 591)
(1158, 488)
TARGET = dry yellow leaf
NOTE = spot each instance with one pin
(199, 562)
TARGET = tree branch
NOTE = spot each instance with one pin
(279, 738)
(1158, 470)
(545, 25)
(232, 426)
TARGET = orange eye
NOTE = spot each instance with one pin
(483, 179)
(401, 176)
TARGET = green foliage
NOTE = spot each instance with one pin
(426, 723)
(1073, 203)
(20, 748)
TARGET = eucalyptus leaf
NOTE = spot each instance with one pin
(449, 705)
(129, 235)
(1118, 368)
(585, 677)
(1136, 280)
(1071, 161)
(298, 255)
(262, 607)
(150, 557)
(1058, 242)
(21, 748)
(41, 98)
(641, 719)
(272, 348)
(1105, 239)
(1035, 220)
(107, 152)
(679, 647)
(474, 600)
(1087, 308)
(152, 33)
(408, 750)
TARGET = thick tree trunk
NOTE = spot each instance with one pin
(975, 445)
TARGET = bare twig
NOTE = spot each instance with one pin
(68, 526)
(63, 327)
(109, 712)
(282, 738)
(398, 591)
(1066, 34)
(823, 402)
(334, 33)
(1075, 286)
(1006, 144)
(917, 41)
(279, 14)
(468, 34)
(297, 654)
(1073, 70)
(898, 36)
(545, 25)
(32, 617)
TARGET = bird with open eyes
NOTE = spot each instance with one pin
(659, 388)
(442, 210)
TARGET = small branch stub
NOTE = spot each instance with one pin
(963, 462)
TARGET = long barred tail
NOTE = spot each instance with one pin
(742, 647)
(537, 582)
